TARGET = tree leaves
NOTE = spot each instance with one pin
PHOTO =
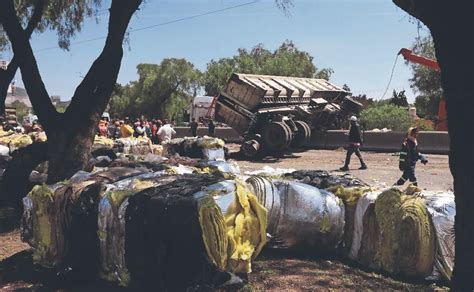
(287, 60)
(426, 82)
(162, 90)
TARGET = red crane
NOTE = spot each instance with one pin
(409, 56)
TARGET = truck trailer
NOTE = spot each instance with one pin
(275, 113)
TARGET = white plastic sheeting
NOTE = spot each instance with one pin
(362, 204)
(442, 209)
(300, 215)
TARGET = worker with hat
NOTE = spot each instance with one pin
(409, 155)
(355, 141)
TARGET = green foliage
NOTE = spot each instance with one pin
(423, 125)
(21, 110)
(426, 82)
(65, 17)
(385, 116)
(163, 90)
(399, 98)
(364, 100)
(287, 60)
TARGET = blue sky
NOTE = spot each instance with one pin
(359, 39)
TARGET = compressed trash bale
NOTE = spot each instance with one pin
(323, 179)
(164, 248)
(269, 196)
(132, 145)
(301, 215)
(369, 240)
(111, 223)
(82, 257)
(196, 147)
(361, 222)
(54, 215)
(350, 197)
(228, 166)
(405, 241)
(47, 221)
(245, 224)
(102, 142)
(114, 174)
(442, 209)
(38, 226)
(14, 141)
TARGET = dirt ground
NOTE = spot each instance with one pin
(383, 167)
(276, 271)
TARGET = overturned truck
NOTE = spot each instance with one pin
(274, 113)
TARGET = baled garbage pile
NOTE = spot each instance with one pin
(130, 145)
(180, 223)
(10, 141)
(143, 228)
(406, 232)
(196, 147)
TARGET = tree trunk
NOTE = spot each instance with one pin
(15, 184)
(455, 55)
(452, 27)
(70, 148)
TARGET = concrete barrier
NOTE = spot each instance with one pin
(431, 142)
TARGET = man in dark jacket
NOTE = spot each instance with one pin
(409, 155)
(355, 140)
(194, 127)
(211, 128)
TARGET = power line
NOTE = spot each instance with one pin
(391, 76)
(160, 24)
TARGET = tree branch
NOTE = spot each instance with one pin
(93, 94)
(6, 76)
(35, 87)
(419, 9)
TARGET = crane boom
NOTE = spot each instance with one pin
(409, 56)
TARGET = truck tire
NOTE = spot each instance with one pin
(303, 135)
(276, 136)
(250, 148)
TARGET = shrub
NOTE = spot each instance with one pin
(385, 116)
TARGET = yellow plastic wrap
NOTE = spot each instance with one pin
(246, 222)
(402, 240)
(210, 142)
(103, 141)
(15, 140)
(213, 232)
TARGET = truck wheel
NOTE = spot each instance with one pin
(276, 136)
(303, 134)
(250, 148)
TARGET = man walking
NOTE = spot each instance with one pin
(166, 132)
(211, 128)
(194, 127)
(409, 155)
(355, 140)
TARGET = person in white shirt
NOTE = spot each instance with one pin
(165, 132)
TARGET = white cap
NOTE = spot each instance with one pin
(353, 119)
